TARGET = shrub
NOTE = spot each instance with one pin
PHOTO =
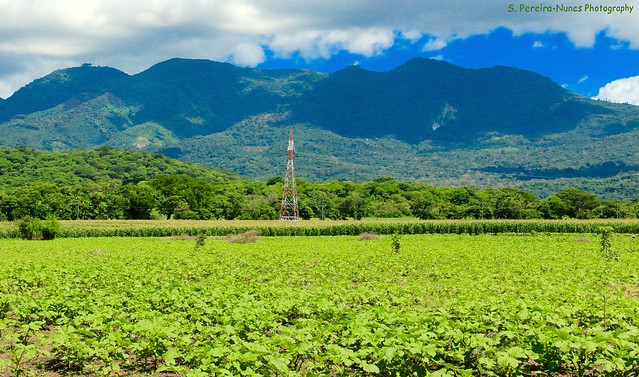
(395, 242)
(50, 228)
(31, 228)
(366, 236)
(201, 239)
(605, 243)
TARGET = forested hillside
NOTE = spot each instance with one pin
(108, 183)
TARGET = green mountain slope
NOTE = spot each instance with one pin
(433, 100)
(67, 85)
(24, 166)
(199, 97)
(425, 121)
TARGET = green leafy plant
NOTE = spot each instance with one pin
(50, 228)
(609, 255)
(200, 241)
(30, 228)
(396, 245)
(316, 305)
(605, 244)
(22, 350)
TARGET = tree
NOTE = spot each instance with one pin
(608, 209)
(274, 181)
(579, 202)
(354, 205)
(512, 203)
(259, 211)
(142, 199)
(306, 212)
(173, 205)
(321, 203)
(553, 208)
(393, 206)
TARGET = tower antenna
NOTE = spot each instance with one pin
(290, 209)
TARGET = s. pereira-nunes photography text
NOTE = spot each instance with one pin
(572, 8)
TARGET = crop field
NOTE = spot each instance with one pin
(163, 228)
(444, 304)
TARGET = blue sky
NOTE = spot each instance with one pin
(579, 69)
(589, 52)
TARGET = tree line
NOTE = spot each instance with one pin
(180, 196)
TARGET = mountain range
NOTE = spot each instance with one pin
(426, 120)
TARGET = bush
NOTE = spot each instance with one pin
(605, 243)
(201, 239)
(395, 240)
(50, 228)
(31, 228)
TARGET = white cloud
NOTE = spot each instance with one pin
(582, 79)
(412, 35)
(133, 35)
(313, 44)
(623, 90)
(248, 55)
(538, 44)
(434, 44)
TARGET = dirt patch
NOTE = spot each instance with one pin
(181, 237)
(630, 290)
(366, 236)
(247, 237)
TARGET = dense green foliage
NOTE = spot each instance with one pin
(184, 197)
(35, 229)
(107, 183)
(446, 304)
(368, 228)
(25, 166)
(425, 121)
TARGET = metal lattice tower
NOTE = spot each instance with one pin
(290, 209)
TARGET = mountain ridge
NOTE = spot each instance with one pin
(425, 120)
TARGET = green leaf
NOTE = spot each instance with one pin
(280, 364)
(389, 353)
(370, 368)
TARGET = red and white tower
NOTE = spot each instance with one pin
(289, 209)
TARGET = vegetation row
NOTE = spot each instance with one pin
(72, 229)
(184, 197)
